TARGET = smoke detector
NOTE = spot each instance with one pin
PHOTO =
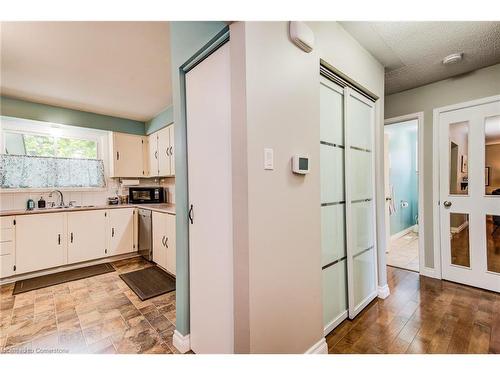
(453, 58)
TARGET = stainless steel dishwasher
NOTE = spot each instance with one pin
(145, 234)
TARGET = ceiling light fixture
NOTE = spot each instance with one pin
(453, 58)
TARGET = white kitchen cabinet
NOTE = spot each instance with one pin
(129, 155)
(164, 241)
(153, 155)
(7, 246)
(171, 150)
(170, 243)
(87, 235)
(41, 241)
(121, 231)
(161, 152)
(159, 231)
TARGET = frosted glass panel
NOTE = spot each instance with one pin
(332, 174)
(360, 124)
(363, 275)
(331, 116)
(334, 292)
(362, 226)
(332, 233)
(361, 175)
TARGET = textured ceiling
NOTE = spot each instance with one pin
(412, 51)
(114, 68)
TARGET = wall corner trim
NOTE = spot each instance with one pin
(383, 291)
(319, 348)
(181, 343)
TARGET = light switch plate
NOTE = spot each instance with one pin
(268, 159)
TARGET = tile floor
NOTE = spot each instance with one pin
(94, 315)
(404, 252)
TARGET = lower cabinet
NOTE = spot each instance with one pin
(164, 241)
(7, 246)
(121, 231)
(87, 235)
(35, 242)
(40, 241)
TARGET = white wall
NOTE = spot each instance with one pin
(280, 240)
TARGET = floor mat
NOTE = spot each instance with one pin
(149, 282)
(61, 277)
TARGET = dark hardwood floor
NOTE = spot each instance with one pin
(423, 315)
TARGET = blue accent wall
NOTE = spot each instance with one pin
(403, 173)
(166, 117)
(186, 38)
(42, 112)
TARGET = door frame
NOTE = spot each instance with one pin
(419, 116)
(437, 273)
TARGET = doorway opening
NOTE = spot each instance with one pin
(402, 191)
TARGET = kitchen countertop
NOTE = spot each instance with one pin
(167, 208)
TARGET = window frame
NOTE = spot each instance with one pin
(34, 127)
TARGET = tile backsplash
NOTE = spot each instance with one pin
(17, 200)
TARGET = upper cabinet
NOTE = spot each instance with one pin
(161, 152)
(128, 155)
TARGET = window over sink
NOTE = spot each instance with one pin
(46, 155)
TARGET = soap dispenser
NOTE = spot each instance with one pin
(30, 204)
(41, 203)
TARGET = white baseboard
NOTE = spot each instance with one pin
(383, 291)
(319, 348)
(404, 232)
(429, 272)
(335, 322)
(181, 343)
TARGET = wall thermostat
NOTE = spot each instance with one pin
(300, 164)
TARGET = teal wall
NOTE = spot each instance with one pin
(403, 175)
(186, 38)
(43, 112)
(161, 120)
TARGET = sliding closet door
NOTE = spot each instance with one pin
(360, 201)
(333, 244)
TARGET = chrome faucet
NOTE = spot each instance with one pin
(61, 202)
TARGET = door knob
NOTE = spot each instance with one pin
(447, 204)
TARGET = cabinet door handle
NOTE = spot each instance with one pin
(171, 152)
(156, 154)
(166, 151)
(190, 214)
(112, 232)
(117, 155)
(166, 242)
(71, 237)
(58, 239)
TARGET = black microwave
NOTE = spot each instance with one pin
(146, 195)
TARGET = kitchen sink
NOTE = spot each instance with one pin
(67, 207)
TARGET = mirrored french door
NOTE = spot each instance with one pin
(347, 202)
(469, 159)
